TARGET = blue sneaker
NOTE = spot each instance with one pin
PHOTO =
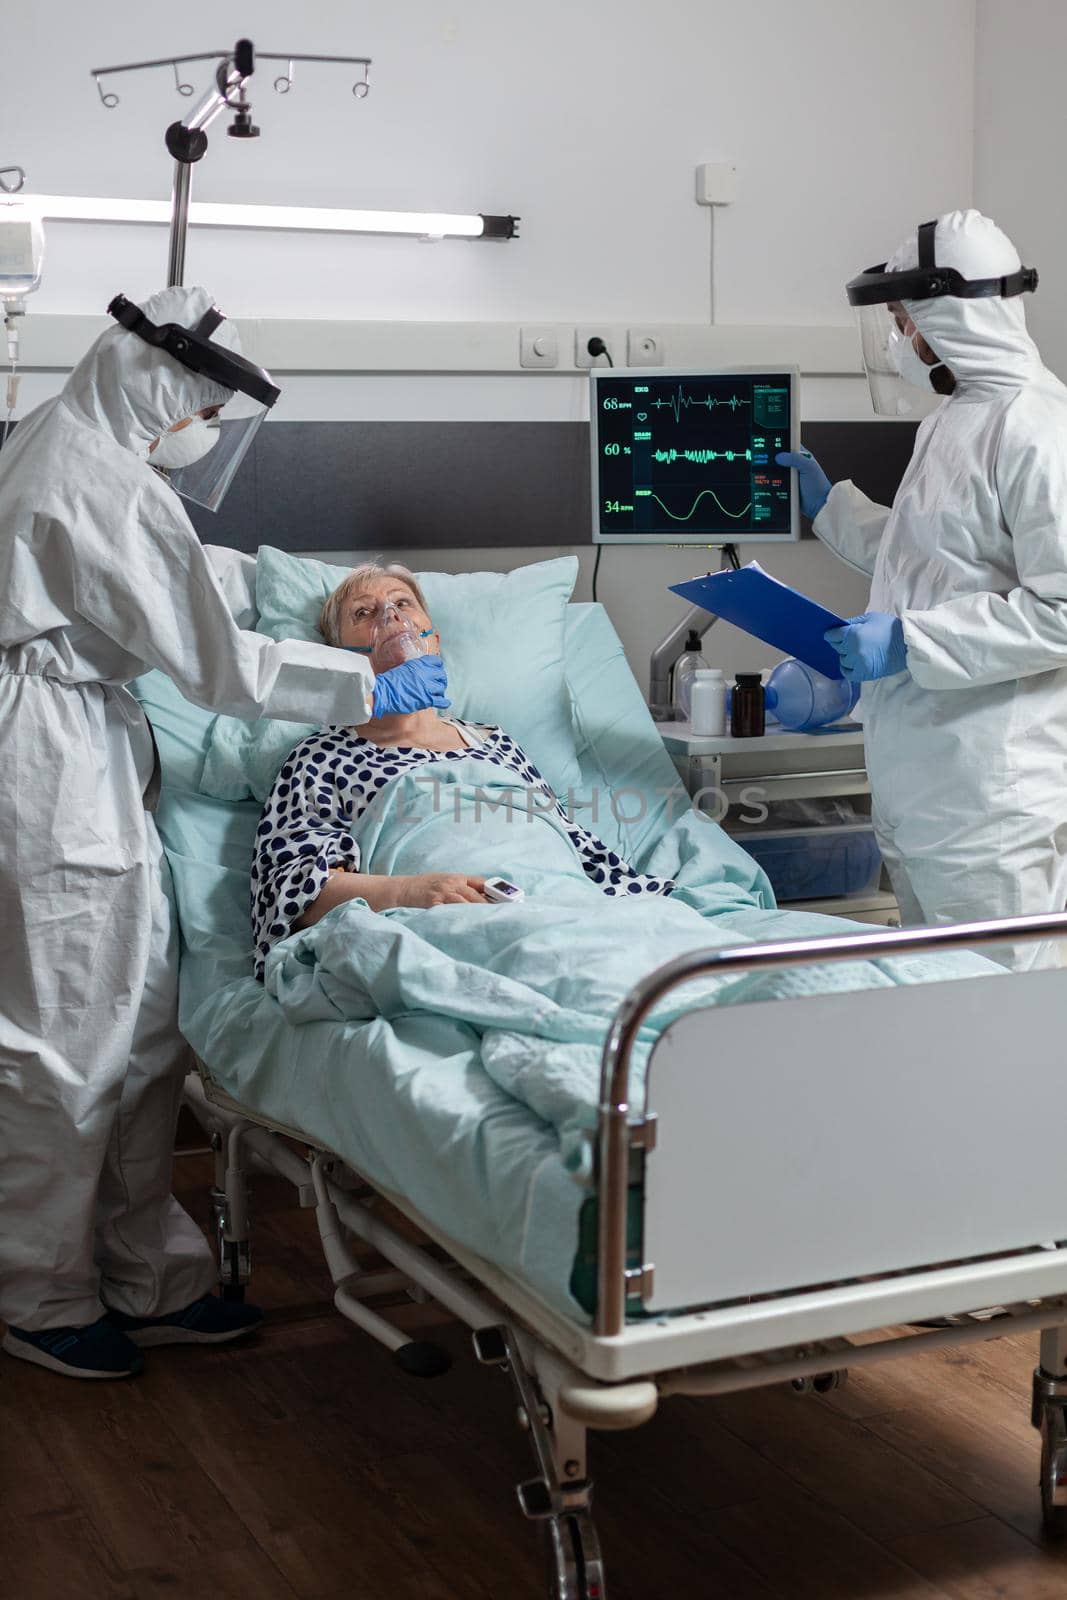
(97, 1351)
(208, 1320)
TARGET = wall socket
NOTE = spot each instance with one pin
(644, 348)
(601, 330)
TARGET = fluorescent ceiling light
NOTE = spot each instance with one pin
(318, 219)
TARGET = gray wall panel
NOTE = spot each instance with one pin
(410, 485)
(467, 485)
(873, 454)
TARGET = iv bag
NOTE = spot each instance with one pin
(21, 248)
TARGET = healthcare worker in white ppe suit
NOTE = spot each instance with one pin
(102, 577)
(963, 654)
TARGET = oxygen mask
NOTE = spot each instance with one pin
(395, 639)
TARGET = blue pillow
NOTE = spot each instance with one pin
(182, 731)
(502, 638)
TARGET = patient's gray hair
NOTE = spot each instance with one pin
(332, 615)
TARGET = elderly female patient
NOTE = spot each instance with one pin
(307, 861)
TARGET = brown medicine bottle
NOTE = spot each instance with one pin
(747, 711)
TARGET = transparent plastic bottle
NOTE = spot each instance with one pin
(802, 699)
(707, 711)
(395, 640)
(685, 670)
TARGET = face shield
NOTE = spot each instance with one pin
(885, 328)
(880, 337)
(218, 448)
(226, 443)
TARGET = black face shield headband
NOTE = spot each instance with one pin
(877, 287)
(193, 349)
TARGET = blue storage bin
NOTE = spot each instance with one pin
(817, 863)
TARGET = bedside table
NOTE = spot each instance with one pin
(727, 777)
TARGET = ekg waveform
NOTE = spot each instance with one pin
(701, 458)
(685, 516)
(681, 402)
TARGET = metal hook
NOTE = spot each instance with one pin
(182, 88)
(361, 89)
(283, 85)
(11, 188)
(234, 96)
(109, 99)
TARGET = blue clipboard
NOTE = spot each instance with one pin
(754, 601)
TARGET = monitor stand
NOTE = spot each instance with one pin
(672, 645)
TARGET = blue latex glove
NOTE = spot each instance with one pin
(871, 646)
(412, 686)
(814, 485)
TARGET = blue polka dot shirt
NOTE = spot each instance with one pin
(325, 786)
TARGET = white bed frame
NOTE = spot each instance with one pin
(874, 1152)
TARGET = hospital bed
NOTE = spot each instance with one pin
(796, 1175)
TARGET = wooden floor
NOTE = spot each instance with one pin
(305, 1465)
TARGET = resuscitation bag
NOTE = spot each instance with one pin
(802, 699)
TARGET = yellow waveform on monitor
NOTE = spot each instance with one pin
(686, 516)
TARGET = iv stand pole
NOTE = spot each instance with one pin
(179, 222)
(187, 143)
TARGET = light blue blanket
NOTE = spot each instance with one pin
(533, 985)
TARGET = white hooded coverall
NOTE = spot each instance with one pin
(967, 749)
(102, 577)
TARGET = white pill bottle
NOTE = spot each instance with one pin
(707, 705)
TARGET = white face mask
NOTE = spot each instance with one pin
(906, 360)
(181, 449)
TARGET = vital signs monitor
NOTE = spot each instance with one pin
(688, 457)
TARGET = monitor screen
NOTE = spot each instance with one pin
(688, 457)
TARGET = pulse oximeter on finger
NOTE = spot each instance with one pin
(500, 891)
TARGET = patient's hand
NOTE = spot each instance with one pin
(382, 891)
(439, 889)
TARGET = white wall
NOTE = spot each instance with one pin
(1020, 140)
(588, 120)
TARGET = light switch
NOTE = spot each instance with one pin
(538, 347)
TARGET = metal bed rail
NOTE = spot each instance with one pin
(616, 1135)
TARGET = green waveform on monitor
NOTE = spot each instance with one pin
(701, 458)
(681, 402)
(686, 515)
